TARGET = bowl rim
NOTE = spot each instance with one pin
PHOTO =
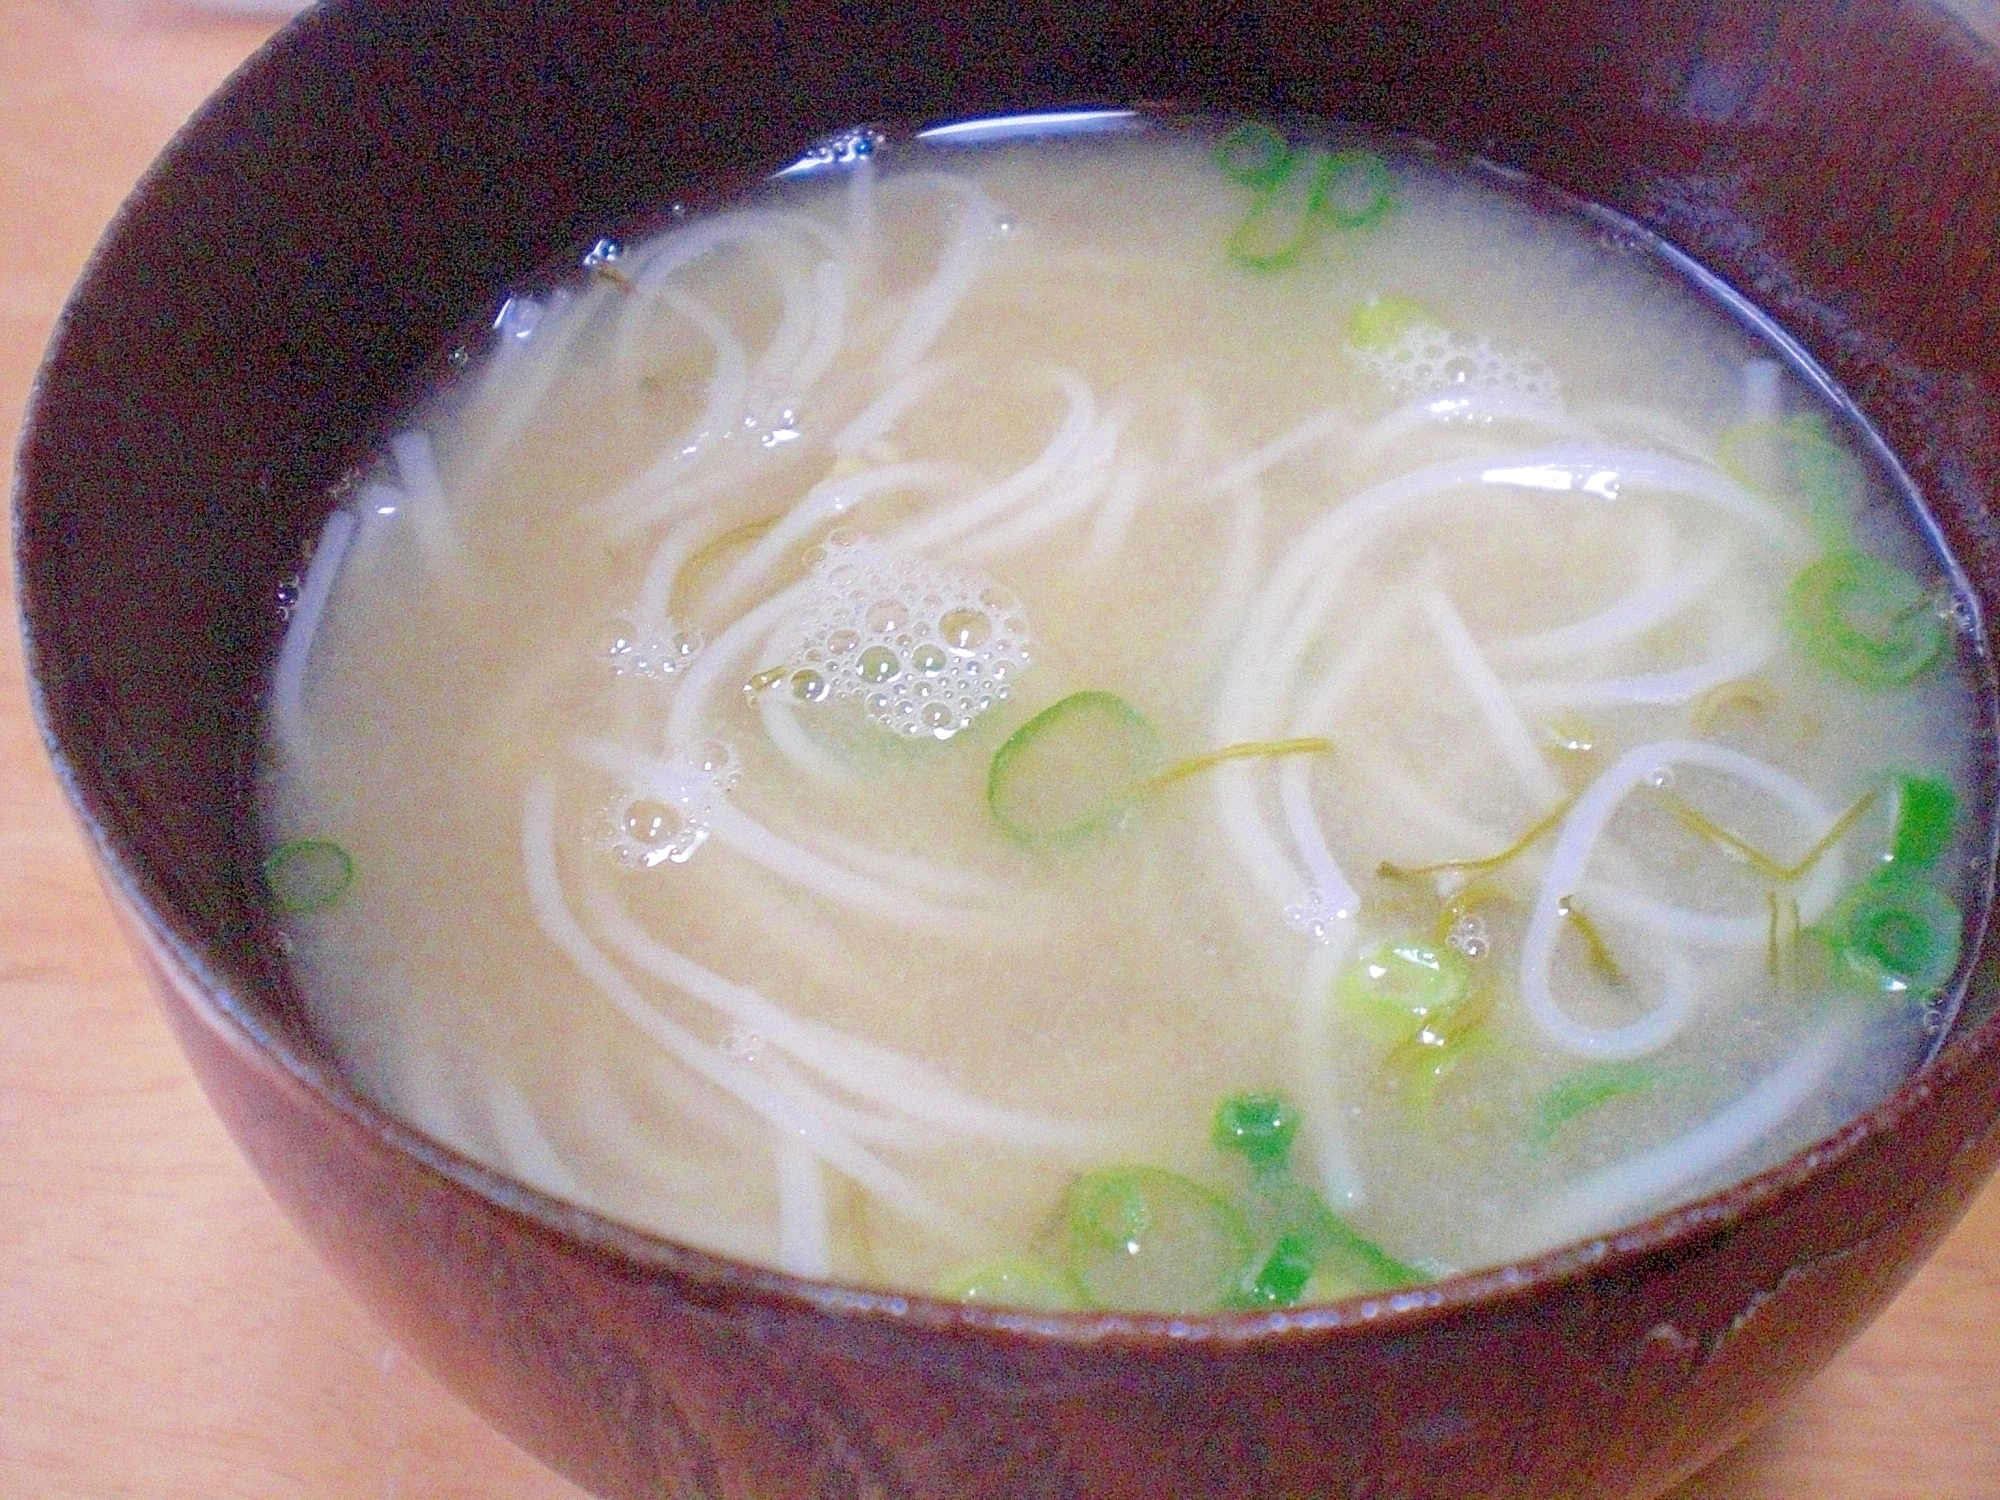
(215, 1001)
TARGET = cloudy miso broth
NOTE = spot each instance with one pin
(1153, 717)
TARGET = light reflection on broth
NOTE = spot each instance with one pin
(1161, 718)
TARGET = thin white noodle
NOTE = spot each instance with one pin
(742, 834)
(880, 416)
(654, 493)
(1616, 1194)
(944, 527)
(553, 915)
(1281, 625)
(426, 506)
(1238, 576)
(1112, 524)
(1568, 868)
(1760, 390)
(826, 501)
(1312, 1072)
(779, 716)
(1681, 685)
(1489, 695)
(288, 682)
(1302, 819)
(732, 828)
(1320, 704)
(902, 1133)
(1484, 408)
(801, 316)
(522, 371)
(1068, 495)
(1320, 427)
(865, 1069)
(805, 1237)
(701, 677)
(862, 192)
(422, 1095)
(1276, 632)
(1249, 836)
(524, 1146)
(920, 874)
(656, 590)
(1625, 619)
(958, 266)
(1411, 799)
(1655, 428)
(793, 381)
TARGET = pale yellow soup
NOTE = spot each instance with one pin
(664, 662)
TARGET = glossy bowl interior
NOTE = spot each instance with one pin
(383, 172)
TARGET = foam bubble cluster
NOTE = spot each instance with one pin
(1425, 360)
(667, 815)
(927, 648)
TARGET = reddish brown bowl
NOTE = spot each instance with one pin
(383, 171)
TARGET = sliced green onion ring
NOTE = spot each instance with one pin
(1071, 770)
(1400, 984)
(1253, 153)
(1357, 189)
(1896, 933)
(1280, 219)
(1863, 619)
(307, 875)
(1584, 1090)
(1145, 1239)
(1795, 457)
(1014, 1281)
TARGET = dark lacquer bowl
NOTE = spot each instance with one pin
(387, 167)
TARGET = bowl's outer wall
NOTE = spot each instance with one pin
(378, 175)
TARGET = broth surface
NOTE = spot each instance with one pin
(868, 717)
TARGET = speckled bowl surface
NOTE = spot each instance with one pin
(382, 172)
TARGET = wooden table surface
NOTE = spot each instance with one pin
(163, 1332)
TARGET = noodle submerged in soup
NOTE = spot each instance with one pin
(1149, 718)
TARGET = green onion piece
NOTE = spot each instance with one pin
(1194, 765)
(1254, 154)
(1280, 219)
(308, 875)
(1381, 322)
(1294, 1225)
(1781, 945)
(1073, 769)
(1926, 808)
(1145, 1239)
(1281, 1278)
(1259, 1127)
(1896, 933)
(1601, 957)
(1547, 821)
(1696, 821)
(1013, 1281)
(1863, 619)
(1402, 982)
(1357, 189)
(1584, 1090)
